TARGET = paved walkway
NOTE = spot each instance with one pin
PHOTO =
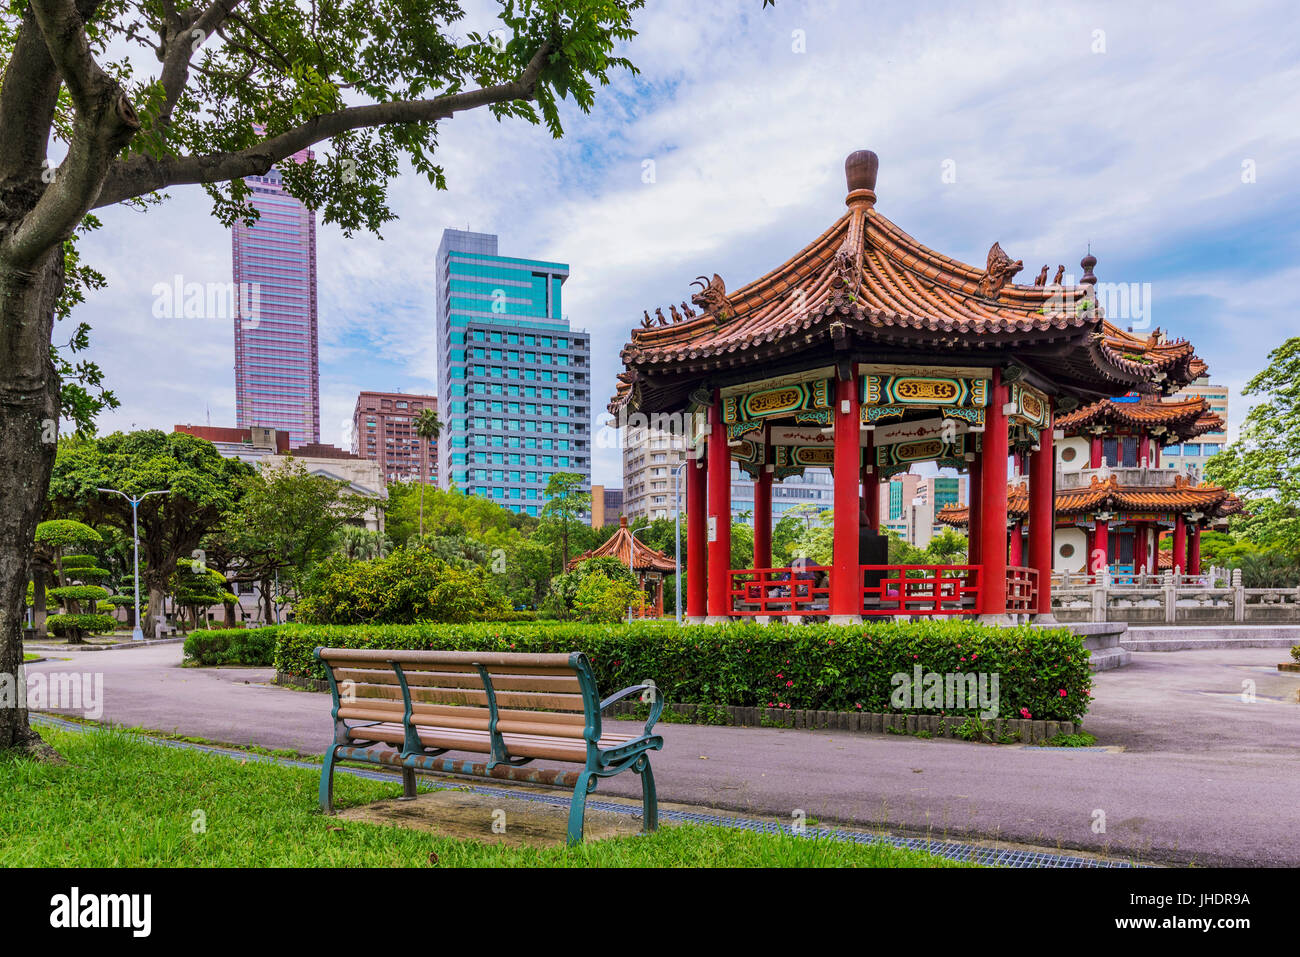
(1199, 775)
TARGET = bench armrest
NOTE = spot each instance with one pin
(656, 705)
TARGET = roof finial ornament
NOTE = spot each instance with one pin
(860, 173)
(1087, 262)
(712, 296)
(1041, 279)
(998, 272)
(1060, 275)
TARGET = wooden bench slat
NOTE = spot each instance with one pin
(571, 703)
(442, 679)
(519, 745)
(462, 658)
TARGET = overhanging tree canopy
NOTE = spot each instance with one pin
(208, 94)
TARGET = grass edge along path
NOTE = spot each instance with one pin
(123, 801)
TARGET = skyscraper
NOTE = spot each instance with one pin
(277, 362)
(514, 380)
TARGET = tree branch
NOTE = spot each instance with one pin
(140, 174)
(29, 96)
(178, 48)
(65, 38)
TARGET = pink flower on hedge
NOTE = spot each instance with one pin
(789, 684)
(1024, 713)
(779, 675)
(1063, 693)
(859, 705)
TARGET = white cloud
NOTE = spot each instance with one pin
(1137, 150)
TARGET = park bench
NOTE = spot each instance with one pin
(408, 708)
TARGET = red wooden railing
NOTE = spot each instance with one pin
(886, 590)
(1022, 588)
(780, 591)
(920, 589)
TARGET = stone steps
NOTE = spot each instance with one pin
(1194, 637)
(1105, 641)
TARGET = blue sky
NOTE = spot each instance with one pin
(1065, 124)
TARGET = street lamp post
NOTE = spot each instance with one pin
(137, 634)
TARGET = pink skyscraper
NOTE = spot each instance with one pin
(277, 360)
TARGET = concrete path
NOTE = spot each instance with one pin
(1197, 775)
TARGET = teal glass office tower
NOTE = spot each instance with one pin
(514, 379)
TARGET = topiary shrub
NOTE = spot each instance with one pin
(75, 573)
(80, 624)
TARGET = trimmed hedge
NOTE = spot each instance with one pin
(816, 667)
(90, 623)
(232, 646)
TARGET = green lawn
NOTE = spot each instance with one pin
(123, 802)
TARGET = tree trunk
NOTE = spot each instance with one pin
(29, 415)
(154, 611)
(267, 604)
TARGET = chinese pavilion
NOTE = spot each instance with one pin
(648, 565)
(865, 353)
(1114, 501)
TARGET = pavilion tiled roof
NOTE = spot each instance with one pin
(1109, 495)
(626, 547)
(866, 278)
(1184, 418)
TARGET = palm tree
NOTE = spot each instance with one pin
(428, 427)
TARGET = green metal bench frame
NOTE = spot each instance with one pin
(600, 763)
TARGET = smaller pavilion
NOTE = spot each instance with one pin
(1113, 499)
(648, 565)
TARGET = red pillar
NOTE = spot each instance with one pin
(846, 587)
(1140, 547)
(1144, 448)
(1042, 516)
(697, 563)
(1180, 544)
(719, 512)
(1016, 547)
(1155, 455)
(1094, 459)
(1099, 559)
(993, 507)
(1194, 552)
(763, 516)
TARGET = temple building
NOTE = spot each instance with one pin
(1114, 500)
(648, 565)
(866, 353)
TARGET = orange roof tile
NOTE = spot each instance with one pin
(1109, 495)
(1183, 418)
(865, 279)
